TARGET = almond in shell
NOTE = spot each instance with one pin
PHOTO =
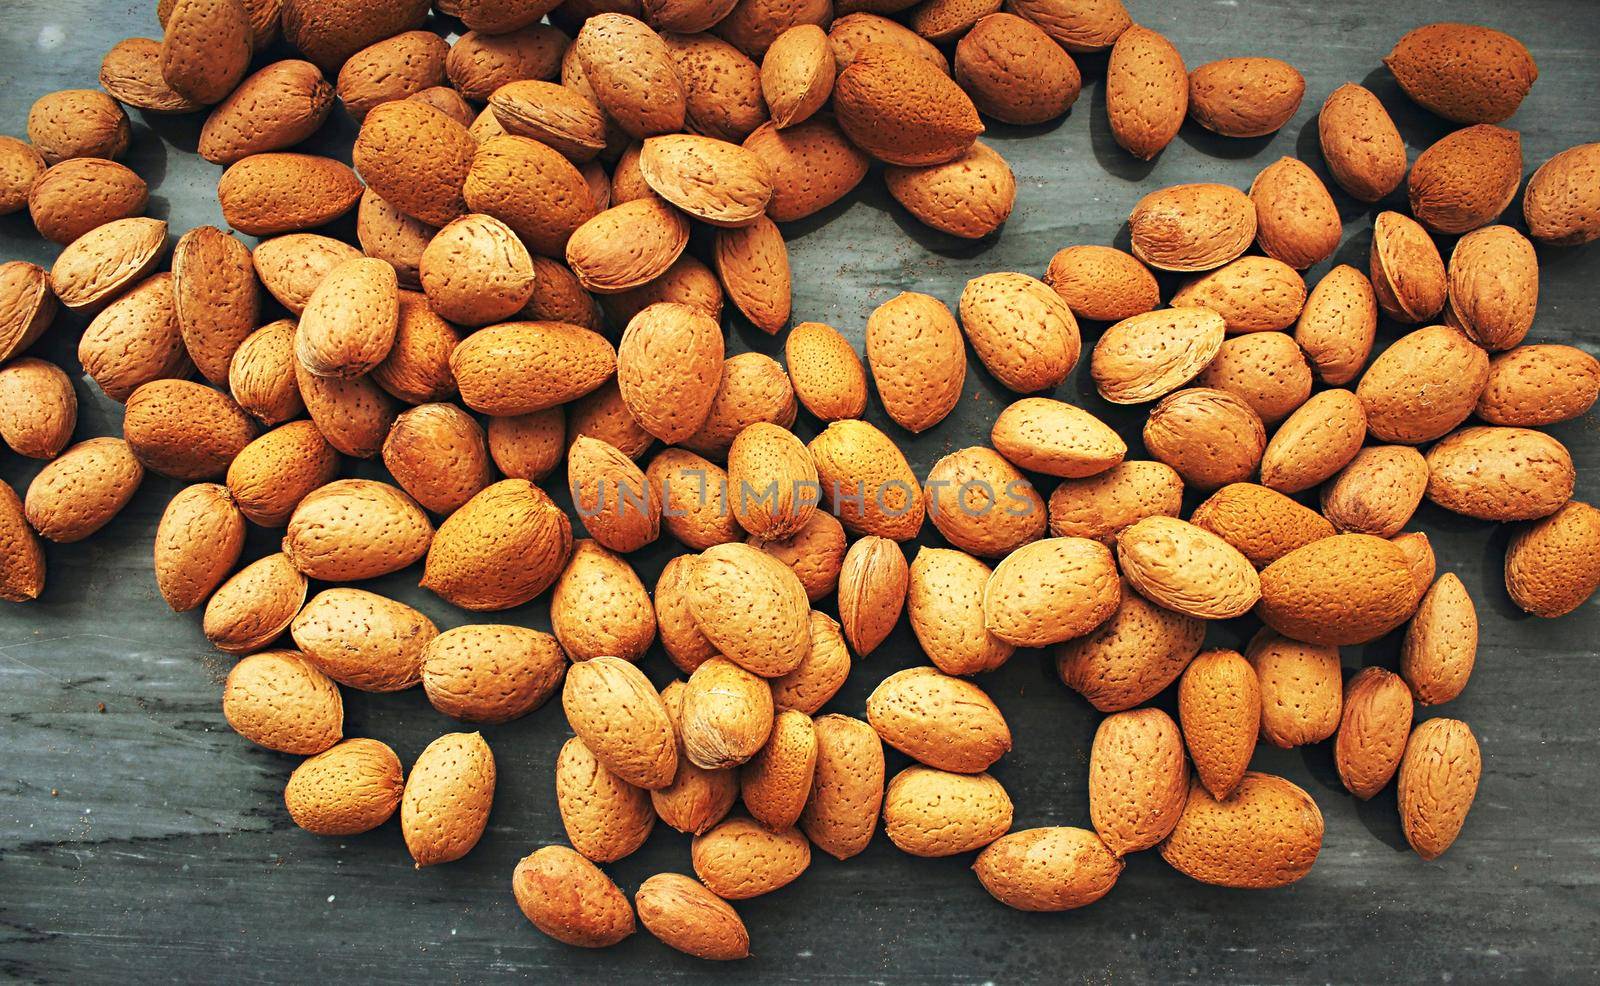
(1131, 657)
(255, 606)
(1219, 708)
(1553, 565)
(1345, 589)
(933, 813)
(1338, 324)
(1138, 779)
(445, 807)
(1147, 91)
(491, 673)
(1560, 204)
(1360, 143)
(1141, 358)
(1267, 834)
(970, 196)
(570, 899)
(1438, 781)
(1051, 590)
(1098, 506)
(363, 640)
(1048, 869)
(1500, 474)
(1373, 730)
(500, 549)
(846, 787)
(198, 541)
(1466, 179)
(902, 111)
(619, 715)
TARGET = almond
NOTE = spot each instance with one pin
(215, 297)
(198, 541)
(570, 899)
(1245, 97)
(684, 17)
(1263, 524)
(917, 359)
(1539, 385)
(1373, 731)
(727, 715)
(416, 158)
(1049, 436)
(872, 592)
(270, 476)
(797, 74)
(1141, 358)
(1102, 283)
(273, 109)
(353, 529)
(752, 608)
(1187, 568)
(394, 68)
(867, 482)
(605, 817)
(1023, 332)
(1315, 442)
(349, 323)
(349, 789)
(1211, 437)
(721, 85)
(104, 262)
(436, 453)
(1301, 689)
(1552, 565)
(776, 783)
(528, 446)
(185, 430)
(558, 297)
(1438, 781)
(945, 603)
(563, 119)
(1266, 370)
(532, 189)
(80, 491)
(813, 165)
(1466, 179)
(291, 266)
(969, 197)
(1013, 71)
(1423, 386)
(1219, 708)
(1408, 276)
(982, 504)
(1267, 834)
(131, 73)
(599, 607)
(20, 167)
(820, 676)
(1360, 143)
(712, 180)
(21, 557)
(686, 282)
(475, 271)
(445, 807)
(627, 246)
(1463, 72)
(491, 673)
(691, 919)
(354, 415)
(272, 193)
(1099, 506)
(521, 367)
(693, 493)
(27, 306)
(1296, 219)
(772, 482)
(752, 262)
(1048, 869)
(697, 798)
(602, 415)
(1500, 473)
(1147, 91)
(815, 553)
(934, 813)
(754, 389)
(740, 858)
(632, 73)
(1494, 287)
(847, 787)
(1131, 657)
(500, 549)
(78, 123)
(899, 109)
(278, 700)
(207, 48)
(1377, 492)
(75, 196)
(1252, 294)
(1051, 590)
(1345, 589)
(753, 25)
(612, 496)
(1138, 779)
(1077, 27)
(849, 34)
(1441, 643)
(826, 372)
(363, 640)
(255, 606)
(619, 715)
(1338, 324)
(668, 364)
(38, 408)
(1559, 203)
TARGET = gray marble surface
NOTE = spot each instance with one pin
(141, 839)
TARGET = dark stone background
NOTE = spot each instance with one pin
(141, 839)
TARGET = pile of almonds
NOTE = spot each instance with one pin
(528, 192)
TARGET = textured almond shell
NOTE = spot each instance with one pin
(1187, 568)
(1048, 869)
(1268, 834)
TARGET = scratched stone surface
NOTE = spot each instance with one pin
(140, 839)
